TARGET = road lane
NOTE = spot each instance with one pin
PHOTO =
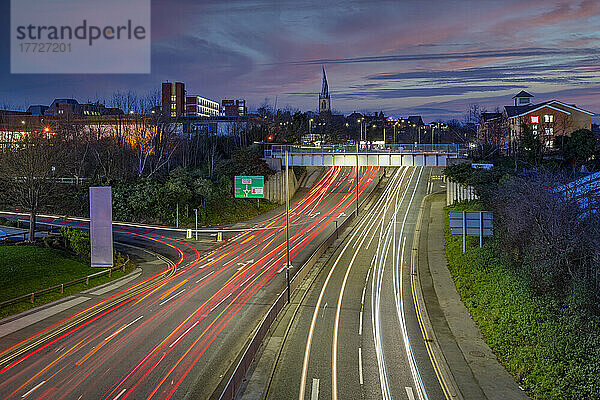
(357, 330)
(178, 331)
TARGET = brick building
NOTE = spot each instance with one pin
(548, 121)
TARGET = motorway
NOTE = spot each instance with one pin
(357, 332)
(176, 333)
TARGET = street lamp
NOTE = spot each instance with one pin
(357, 178)
(287, 224)
(196, 212)
(309, 130)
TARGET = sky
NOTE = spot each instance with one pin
(430, 58)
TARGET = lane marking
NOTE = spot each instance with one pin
(409, 393)
(172, 297)
(182, 335)
(360, 368)
(360, 323)
(314, 394)
(32, 390)
(120, 394)
(174, 288)
(205, 276)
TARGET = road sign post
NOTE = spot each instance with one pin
(471, 223)
(196, 212)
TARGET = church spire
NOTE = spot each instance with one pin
(324, 100)
(325, 87)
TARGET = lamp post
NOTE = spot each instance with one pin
(357, 179)
(309, 130)
(196, 212)
(287, 224)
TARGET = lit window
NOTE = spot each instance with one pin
(549, 131)
(535, 119)
(548, 118)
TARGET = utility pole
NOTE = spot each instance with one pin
(287, 224)
(357, 178)
(196, 211)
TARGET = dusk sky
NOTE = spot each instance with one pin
(432, 58)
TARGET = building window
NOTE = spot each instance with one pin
(548, 118)
(535, 119)
(549, 144)
(549, 131)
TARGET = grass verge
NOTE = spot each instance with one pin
(551, 347)
(26, 269)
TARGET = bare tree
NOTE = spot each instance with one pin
(28, 169)
(153, 142)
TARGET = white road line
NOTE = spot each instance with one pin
(219, 303)
(250, 277)
(360, 373)
(120, 394)
(409, 393)
(362, 298)
(205, 276)
(360, 324)
(124, 327)
(31, 391)
(170, 298)
(183, 334)
(314, 394)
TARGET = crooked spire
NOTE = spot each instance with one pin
(325, 87)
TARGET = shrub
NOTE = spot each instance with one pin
(76, 240)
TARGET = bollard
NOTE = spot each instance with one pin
(124, 267)
(62, 288)
(87, 280)
(32, 295)
(109, 272)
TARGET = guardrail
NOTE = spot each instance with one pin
(31, 296)
(239, 373)
(277, 150)
(26, 233)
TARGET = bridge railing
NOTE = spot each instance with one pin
(278, 150)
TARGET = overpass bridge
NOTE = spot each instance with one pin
(388, 155)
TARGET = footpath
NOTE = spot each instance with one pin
(475, 368)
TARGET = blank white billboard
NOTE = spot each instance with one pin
(101, 236)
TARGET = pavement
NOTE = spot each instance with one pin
(468, 367)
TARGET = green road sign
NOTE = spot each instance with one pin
(252, 187)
